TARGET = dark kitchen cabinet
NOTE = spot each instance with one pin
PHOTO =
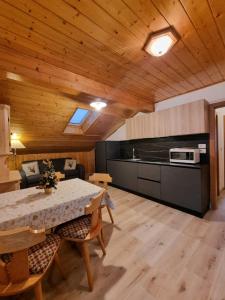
(124, 174)
(149, 177)
(150, 172)
(105, 150)
(149, 188)
(186, 187)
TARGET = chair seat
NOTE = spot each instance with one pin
(40, 255)
(75, 229)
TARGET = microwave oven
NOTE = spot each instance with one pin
(185, 155)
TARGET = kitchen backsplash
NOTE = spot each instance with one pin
(157, 149)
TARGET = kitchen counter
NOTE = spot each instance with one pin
(184, 186)
(162, 163)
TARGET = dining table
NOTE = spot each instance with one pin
(32, 207)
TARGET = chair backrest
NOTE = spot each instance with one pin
(14, 244)
(59, 176)
(101, 179)
(94, 209)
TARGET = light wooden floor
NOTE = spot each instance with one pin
(153, 252)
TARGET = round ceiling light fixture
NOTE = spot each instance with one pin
(98, 105)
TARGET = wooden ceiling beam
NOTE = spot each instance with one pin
(3, 75)
(26, 69)
(14, 91)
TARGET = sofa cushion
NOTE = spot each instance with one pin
(31, 168)
(71, 173)
(58, 164)
(70, 164)
(34, 180)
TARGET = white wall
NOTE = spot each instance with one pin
(213, 93)
(220, 114)
(119, 134)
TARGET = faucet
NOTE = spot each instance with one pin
(133, 153)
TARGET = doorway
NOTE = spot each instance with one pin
(217, 153)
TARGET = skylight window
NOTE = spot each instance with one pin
(79, 115)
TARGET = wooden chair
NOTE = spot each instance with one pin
(102, 179)
(84, 229)
(59, 176)
(25, 256)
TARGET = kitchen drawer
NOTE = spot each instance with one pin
(151, 172)
(149, 188)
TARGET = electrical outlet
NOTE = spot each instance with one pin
(202, 146)
(202, 151)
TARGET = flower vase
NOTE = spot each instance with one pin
(48, 191)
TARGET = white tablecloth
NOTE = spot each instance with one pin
(32, 207)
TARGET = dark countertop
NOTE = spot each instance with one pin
(163, 163)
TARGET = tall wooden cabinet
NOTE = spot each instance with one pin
(4, 140)
(191, 118)
(9, 180)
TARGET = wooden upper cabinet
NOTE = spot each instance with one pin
(191, 118)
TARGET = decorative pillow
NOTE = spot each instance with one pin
(31, 168)
(70, 164)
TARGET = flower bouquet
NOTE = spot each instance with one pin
(48, 177)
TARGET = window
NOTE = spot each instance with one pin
(79, 115)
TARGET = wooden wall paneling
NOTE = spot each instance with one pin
(85, 158)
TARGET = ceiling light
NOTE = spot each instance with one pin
(98, 105)
(159, 43)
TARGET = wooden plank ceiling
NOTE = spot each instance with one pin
(56, 55)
